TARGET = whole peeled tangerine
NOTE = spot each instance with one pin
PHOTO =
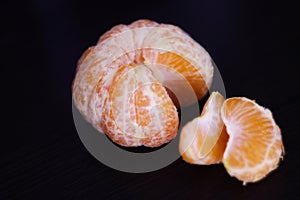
(125, 84)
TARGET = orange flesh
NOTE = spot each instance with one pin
(178, 74)
(203, 140)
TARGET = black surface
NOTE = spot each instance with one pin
(252, 43)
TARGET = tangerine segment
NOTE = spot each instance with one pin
(255, 145)
(139, 110)
(203, 140)
(166, 38)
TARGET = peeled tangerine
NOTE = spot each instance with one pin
(122, 84)
(254, 147)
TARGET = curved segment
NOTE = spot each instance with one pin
(171, 46)
(255, 145)
(203, 140)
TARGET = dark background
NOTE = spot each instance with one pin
(252, 43)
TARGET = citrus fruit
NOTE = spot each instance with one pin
(125, 84)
